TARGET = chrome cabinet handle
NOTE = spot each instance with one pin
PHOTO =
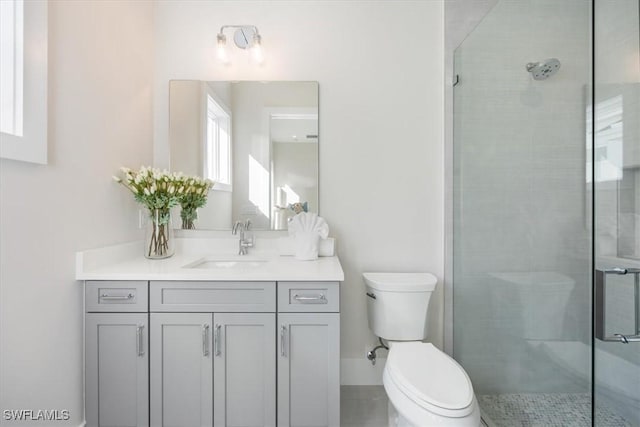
(205, 340)
(216, 341)
(116, 297)
(302, 298)
(140, 341)
(283, 333)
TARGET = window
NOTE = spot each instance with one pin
(23, 80)
(217, 159)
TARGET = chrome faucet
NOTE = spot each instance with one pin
(244, 243)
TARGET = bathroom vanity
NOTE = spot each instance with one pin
(199, 340)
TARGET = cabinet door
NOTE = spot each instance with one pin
(244, 369)
(309, 369)
(117, 370)
(181, 370)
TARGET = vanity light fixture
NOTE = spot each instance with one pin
(245, 37)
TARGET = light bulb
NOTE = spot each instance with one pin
(222, 49)
(256, 49)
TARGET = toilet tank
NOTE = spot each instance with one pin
(397, 304)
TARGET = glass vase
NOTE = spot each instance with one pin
(159, 241)
(188, 216)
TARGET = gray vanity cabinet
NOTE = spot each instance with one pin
(181, 369)
(212, 353)
(116, 353)
(117, 369)
(244, 369)
(213, 368)
(308, 354)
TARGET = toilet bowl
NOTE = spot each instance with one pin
(425, 386)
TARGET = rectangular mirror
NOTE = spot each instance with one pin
(258, 141)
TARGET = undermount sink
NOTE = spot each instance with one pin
(226, 263)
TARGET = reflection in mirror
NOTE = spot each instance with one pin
(258, 141)
(617, 169)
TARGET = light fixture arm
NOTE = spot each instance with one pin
(224, 27)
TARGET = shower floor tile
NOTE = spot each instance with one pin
(544, 410)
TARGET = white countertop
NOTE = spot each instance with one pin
(126, 262)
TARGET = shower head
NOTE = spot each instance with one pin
(544, 69)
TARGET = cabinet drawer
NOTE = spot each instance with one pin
(116, 296)
(305, 297)
(212, 296)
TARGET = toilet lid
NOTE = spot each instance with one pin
(429, 377)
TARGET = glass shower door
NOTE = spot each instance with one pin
(521, 259)
(616, 157)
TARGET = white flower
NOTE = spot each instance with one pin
(125, 169)
(134, 189)
(146, 191)
(116, 179)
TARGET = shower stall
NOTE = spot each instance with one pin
(544, 263)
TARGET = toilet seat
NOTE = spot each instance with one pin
(430, 378)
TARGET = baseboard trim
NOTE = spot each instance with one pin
(361, 372)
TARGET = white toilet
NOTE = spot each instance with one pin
(425, 386)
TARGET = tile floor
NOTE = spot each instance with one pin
(363, 406)
(366, 406)
(544, 410)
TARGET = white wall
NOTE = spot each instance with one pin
(100, 68)
(380, 69)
